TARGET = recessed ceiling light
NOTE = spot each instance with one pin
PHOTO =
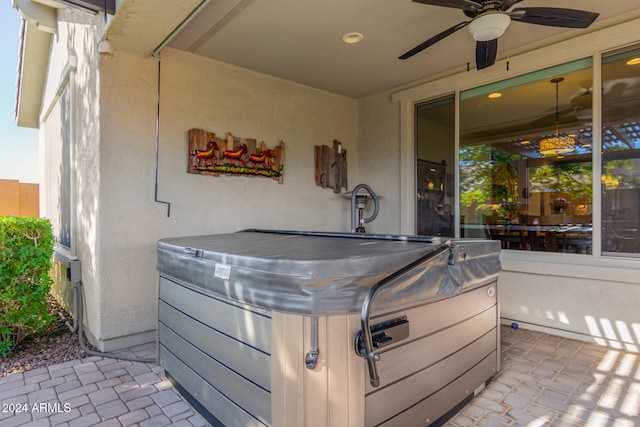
(525, 142)
(494, 95)
(352, 38)
(634, 61)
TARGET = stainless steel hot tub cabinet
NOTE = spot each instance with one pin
(274, 328)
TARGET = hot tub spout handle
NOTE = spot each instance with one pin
(364, 344)
(374, 378)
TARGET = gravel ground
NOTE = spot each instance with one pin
(55, 345)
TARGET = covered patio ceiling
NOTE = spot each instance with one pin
(302, 41)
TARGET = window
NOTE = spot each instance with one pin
(621, 153)
(545, 161)
(58, 170)
(526, 160)
(435, 148)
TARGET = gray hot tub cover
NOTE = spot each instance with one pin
(325, 274)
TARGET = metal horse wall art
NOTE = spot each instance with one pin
(212, 155)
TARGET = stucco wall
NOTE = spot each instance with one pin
(589, 298)
(597, 309)
(379, 158)
(199, 93)
(70, 144)
(108, 116)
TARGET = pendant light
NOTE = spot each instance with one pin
(557, 144)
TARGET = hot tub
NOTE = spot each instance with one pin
(286, 328)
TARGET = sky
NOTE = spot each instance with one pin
(18, 146)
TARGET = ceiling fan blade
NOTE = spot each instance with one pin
(433, 40)
(554, 17)
(565, 116)
(457, 4)
(486, 53)
(506, 4)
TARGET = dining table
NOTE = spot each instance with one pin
(575, 238)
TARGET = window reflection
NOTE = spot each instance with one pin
(621, 154)
(526, 161)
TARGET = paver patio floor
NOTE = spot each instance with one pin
(545, 380)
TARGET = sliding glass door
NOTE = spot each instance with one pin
(621, 154)
(435, 166)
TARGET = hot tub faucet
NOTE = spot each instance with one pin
(358, 203)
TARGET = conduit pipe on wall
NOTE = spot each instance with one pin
(78, 304)
(74, 273)
(155, 197)
(156, 53)
(73, 327)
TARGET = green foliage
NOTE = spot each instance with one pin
(573, 179)
(26, 247)
(622, 172)
(490, 176)
(487, 175)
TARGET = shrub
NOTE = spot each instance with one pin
(26, 247)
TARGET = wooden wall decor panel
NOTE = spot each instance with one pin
(331, 166)
(210, 154)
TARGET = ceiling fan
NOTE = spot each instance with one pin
(490, 19)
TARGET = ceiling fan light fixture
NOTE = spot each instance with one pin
(489, 26)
